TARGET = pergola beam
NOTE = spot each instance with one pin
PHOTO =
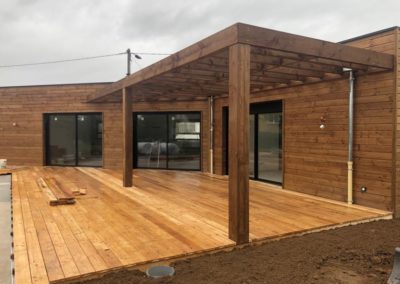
(281, 41)
(280, 52)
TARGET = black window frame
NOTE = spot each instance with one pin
(47, 138)
(166, 113)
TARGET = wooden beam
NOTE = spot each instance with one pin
(127, 133)
(276, 40)
(201, 49)
(239, 97)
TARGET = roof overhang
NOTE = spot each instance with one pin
(278, 59)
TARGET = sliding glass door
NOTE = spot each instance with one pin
(61, 140)
(270, 147)
(252, 145)
(168, 140)
(74, 139)
(151, 141)
(265, 141)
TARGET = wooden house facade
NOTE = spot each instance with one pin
(247, 101)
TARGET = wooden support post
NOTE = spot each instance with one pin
(239, 96)
(127, 132)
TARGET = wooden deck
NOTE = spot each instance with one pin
(167, 214)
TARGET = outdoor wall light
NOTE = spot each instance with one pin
(322, 122)
(55, 118)
(363, 189)
(14, 124)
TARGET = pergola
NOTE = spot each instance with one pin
(236, 62)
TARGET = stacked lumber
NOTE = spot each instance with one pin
(56, 193)
(75, 190)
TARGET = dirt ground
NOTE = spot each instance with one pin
(356, 254)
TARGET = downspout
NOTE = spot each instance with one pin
(211, 108)
(350, 135)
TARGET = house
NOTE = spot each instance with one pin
(311, 116)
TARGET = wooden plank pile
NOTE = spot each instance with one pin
(58, 193)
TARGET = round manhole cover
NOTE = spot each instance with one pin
(160, 271)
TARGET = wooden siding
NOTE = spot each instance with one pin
(388, 42)
(397, 129)
(397, 193)
(23, 144)
(314, 159)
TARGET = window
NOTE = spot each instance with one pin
(168, 140)
(74, 139)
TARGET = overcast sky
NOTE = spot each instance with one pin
(46, 30)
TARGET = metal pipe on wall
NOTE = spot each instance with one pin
(211, 108)
(350, 136)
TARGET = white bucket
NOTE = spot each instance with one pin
(3, 163)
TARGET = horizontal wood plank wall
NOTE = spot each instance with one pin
(398, 126)
(315, 160)
(23, 144)
(387, 42)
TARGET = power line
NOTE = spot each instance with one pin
(78, 59)
(151, 53)
(61, 61)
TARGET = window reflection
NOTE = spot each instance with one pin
(61, 140)
(168, 140)
(74, 139)
(90, 136)
(184, 141)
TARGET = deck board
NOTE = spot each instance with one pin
(165, 214)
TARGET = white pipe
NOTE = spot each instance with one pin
(350, 135)
(211, 108)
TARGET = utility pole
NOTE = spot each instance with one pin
(129, 59)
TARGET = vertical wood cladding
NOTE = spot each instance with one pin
(314, 159)
(23, 144)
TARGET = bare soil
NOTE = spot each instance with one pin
(359, 254)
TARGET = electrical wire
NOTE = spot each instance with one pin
(61, 61)
(79, 59)
(150, 53)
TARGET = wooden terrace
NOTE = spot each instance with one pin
(165, 215)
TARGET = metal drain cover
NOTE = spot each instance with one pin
(395, 276)
(160, 271)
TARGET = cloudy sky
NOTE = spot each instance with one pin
(47, 30)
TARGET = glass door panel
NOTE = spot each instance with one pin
(90, 136)
(270, 147)
(184, 141)
(151, 132)
(251, 145)
(61, 140)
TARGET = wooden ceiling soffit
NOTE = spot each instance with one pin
(293, 71)
(258, 51)
(188, 82)
(276, 40)
(171, 88)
